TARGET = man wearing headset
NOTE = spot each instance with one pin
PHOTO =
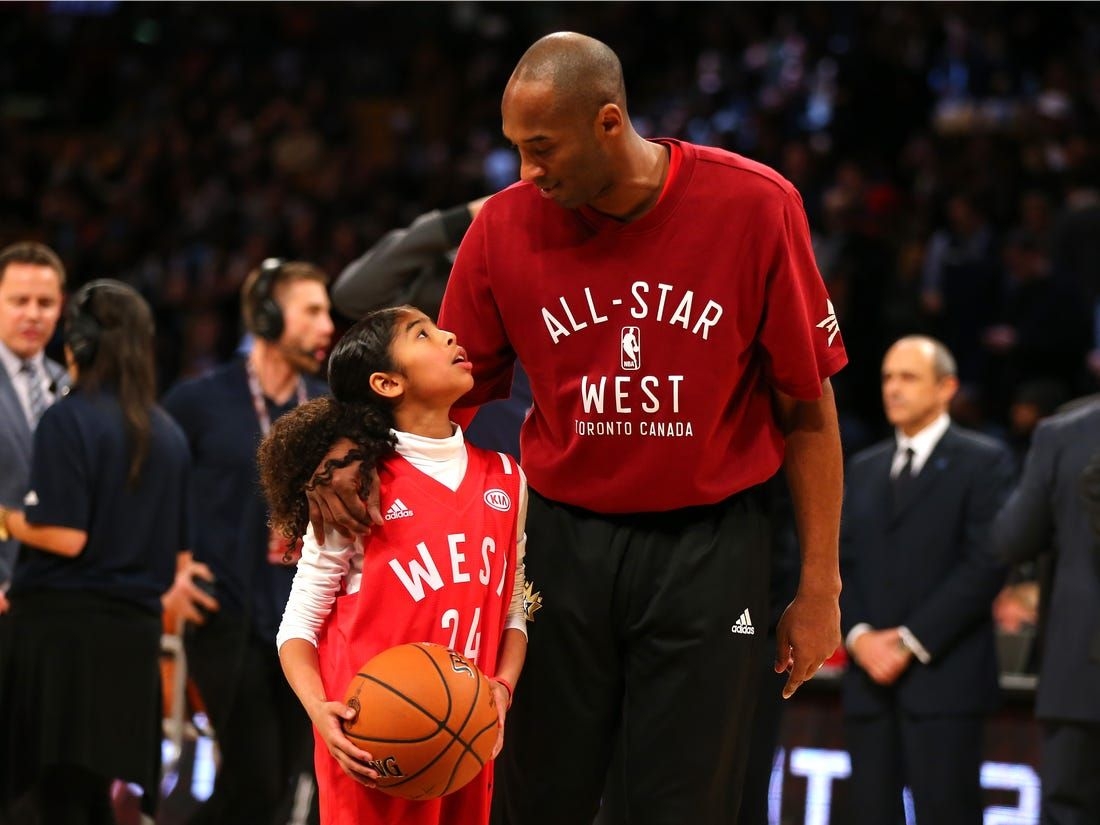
(263, 735)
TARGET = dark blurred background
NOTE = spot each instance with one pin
(947, 154)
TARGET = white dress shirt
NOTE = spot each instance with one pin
(922, 445)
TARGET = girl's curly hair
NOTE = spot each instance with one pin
(298, 441)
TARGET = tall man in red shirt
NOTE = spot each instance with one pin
(679, 340)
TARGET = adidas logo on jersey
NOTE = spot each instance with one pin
(398, 510)
(743, 625)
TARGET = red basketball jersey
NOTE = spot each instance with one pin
(439, 570)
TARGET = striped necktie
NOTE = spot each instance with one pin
(36, 395)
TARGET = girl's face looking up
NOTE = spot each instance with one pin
(432, 368)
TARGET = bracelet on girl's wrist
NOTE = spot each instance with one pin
(507, 686)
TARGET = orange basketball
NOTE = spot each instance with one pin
(427, 716)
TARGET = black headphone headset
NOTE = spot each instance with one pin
(82, 329)
(267, 315)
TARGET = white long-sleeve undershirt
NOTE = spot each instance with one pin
(325, 567)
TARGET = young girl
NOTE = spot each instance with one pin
(446, 566)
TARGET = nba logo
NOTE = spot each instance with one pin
(630, 348)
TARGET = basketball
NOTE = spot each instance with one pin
(427, 717)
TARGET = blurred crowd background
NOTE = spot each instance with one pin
(947, 154)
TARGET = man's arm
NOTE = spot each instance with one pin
(809, 630)
(1024, 526)
(388, 273)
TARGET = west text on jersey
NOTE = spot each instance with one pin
(651, 393)
(415, 573)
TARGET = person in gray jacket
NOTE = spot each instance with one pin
(32, 279)
(1056, 508)
(411, 265)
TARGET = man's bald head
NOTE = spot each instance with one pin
(584, 73)
(940, 357)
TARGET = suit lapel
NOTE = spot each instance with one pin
(881, 470)
(938, 463)
(12, 410)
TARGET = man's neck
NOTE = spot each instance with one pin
(277, 376)
(639, 181)
(12, 362)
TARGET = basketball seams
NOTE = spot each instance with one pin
(458, 735)
(440, 725)
(466, 746)
(428, 766)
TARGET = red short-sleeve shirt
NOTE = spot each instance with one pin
(652, 347)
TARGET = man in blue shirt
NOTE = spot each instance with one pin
(263, 734)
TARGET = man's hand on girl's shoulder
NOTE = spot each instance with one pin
(334, 496)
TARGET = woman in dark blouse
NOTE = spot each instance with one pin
(102, 524)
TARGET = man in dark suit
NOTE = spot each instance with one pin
(1056, 507)
(31, 282)
(919, 580)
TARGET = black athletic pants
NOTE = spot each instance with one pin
(264, 736)
(646, 646)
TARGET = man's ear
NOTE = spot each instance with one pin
(387, 384)
(949, 388)
(609, 120)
